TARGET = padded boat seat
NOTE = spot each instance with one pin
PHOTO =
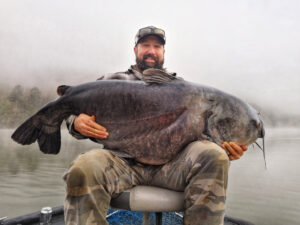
(149, 199)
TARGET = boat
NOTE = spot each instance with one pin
(114, 217)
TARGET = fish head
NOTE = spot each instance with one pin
(235, 120)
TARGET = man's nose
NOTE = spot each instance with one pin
(151, 50)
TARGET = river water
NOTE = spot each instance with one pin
(30, 180)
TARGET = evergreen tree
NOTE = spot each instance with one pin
(34, 99)
(17, 94)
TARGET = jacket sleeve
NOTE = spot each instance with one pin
(70, 126)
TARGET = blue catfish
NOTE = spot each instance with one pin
(150, 120)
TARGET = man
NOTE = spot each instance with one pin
(200, 170)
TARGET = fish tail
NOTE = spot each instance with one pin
(26, 133)
(48, 137)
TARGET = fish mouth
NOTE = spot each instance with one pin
(260, 126)
(262, 130)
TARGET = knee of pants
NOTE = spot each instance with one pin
(206, 152)
(88, 169)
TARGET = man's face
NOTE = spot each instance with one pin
(149, 53)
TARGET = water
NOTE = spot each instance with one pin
(30, 180)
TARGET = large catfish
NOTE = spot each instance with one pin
(150, 120)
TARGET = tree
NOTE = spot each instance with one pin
(34, 99)
(17, 94)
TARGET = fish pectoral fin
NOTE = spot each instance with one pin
(50, 143)
(166, 119)
(62, 89)
(157, 76)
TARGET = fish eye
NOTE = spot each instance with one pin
(254, 122)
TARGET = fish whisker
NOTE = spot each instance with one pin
(263, 150)
(258, 146)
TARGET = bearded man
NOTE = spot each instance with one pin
(200, 170)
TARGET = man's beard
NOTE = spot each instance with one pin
(141, 64)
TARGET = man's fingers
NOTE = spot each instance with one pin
(234, 150)
(96, 132)
(244, 147)
(238, 149)
(87, 126)
(231, 150)
(231, 157)
(95, 125)
(96, 135)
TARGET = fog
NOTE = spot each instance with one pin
(249, 48)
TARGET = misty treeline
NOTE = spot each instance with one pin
(18, 103)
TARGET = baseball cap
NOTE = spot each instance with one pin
(150, 30)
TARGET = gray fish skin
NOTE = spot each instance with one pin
(151, 122)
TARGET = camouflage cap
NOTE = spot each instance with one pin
(150, 30)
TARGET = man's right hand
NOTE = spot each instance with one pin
(86, 125)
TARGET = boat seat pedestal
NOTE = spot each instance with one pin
(148, 199)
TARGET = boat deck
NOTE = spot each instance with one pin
(115, 217)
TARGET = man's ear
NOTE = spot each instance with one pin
(135, 50)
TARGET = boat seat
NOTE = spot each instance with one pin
(148, 199)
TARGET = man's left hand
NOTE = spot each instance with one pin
(234, 150)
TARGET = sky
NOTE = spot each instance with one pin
(249, 48)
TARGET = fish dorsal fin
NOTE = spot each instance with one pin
(62, 89)
(157, 76)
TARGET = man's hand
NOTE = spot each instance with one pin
(234, 150)
(86, 125)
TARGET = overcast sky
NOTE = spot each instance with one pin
(250, 48)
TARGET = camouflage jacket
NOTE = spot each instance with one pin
(130, 74)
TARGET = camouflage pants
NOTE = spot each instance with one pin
(200, 171)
